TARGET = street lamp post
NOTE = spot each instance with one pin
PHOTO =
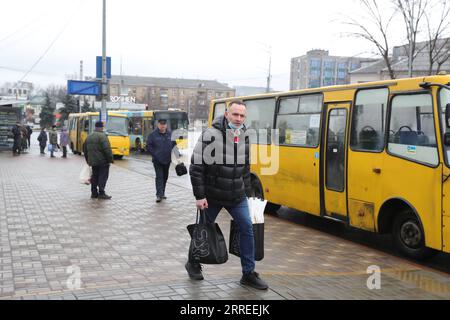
(104, 80)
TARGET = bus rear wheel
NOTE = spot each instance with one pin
(272, 207)
(409, 237)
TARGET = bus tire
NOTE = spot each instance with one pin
(138, 144)
(409, 237)
(118, 157)
(272, 207)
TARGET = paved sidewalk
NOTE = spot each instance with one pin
(132, 248)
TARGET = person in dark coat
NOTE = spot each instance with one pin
(42, 138)
(17, 134)
(64, 141)
(24, 138)
(220, 178)
(98, 154)
(53, 140)
(160, 146)
(29, 133)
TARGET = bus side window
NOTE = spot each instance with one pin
(86, 125)
(369, 120)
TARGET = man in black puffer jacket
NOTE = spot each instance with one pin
(220, 177)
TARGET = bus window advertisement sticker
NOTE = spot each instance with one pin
(412, 149)
(298, 137)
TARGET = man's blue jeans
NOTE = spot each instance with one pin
(241, 216)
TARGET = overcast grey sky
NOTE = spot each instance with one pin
(205, 39)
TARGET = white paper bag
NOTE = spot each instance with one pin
(256, 208)
(85, 174)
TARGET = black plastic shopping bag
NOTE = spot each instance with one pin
(207, 242)
(180, 169)
(258, 235)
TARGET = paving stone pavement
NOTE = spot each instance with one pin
(132, 248)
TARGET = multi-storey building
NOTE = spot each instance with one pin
(378, 70)
(193, 96)
(317, 68)
(18, 90)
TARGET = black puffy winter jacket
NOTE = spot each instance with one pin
(220, 166)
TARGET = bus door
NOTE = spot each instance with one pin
(78, 145)
(446, 208)
(334, 161)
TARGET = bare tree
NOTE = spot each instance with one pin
(413, 11)
(437, 45)
(375, 30)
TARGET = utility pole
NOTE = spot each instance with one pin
(81, 79)
(189, 110)
(104, 80)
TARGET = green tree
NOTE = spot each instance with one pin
(86, 107)
(70, 106)
(47, 112)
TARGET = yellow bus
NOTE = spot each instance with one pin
(80, 125)
(142, 123)
(375, 156)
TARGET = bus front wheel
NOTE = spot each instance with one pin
(138, 145)
(409, 236)
(272, 207)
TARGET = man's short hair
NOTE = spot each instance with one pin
(236, 101)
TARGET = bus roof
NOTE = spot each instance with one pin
(138, 113)
(110, 113)
(443, 79)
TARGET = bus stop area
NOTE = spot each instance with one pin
(57, 243)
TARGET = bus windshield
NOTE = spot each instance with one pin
(116, 126)
(136, 125)
(175, 120)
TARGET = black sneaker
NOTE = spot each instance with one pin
(164, 197)
(104, 196)
(94, 196)
(253, 280)
(194, 270)
(158, 199)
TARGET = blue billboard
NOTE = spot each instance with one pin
(87, 88)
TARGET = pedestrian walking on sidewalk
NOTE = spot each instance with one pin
(29, 133)
(98, 154)
(24, 138)
(42, 138)
(53, 140)
(64, 141)
(17, 135)
(160, 146)
(222, 180)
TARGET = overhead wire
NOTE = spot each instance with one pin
(53, 42)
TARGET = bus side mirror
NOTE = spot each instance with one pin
(447, 115)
